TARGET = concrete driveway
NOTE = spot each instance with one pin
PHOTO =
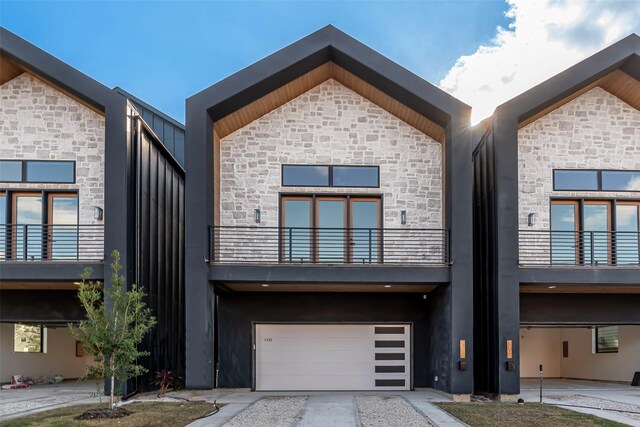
(20, 402)
(617, 402)
(318, 409)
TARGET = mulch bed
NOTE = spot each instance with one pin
(104, 414)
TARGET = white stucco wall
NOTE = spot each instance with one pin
(544, 345)
(38, 122)
(331, 124)
(594, 131)
(60, 358)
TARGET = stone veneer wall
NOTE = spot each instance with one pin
(331, 124)
(37, 122)
(594, 131)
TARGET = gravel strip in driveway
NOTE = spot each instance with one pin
(631, 411)
(271, 411)
(29, 405)
(385, 411)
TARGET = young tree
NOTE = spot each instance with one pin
(117, 321)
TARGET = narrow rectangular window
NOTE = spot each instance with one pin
(10, 171)
(355, 176)
(606, 339)
(305, 176)
(621, 180)
(49, 171)
(575, 180)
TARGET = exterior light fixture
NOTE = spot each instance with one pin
(264, 285)
(98, 213)
(387, 286)
(256, 215)
(552, 287)
(531, 219)
(403, 217)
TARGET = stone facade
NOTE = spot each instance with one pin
(37, 122)
(594, 131)
(331, 124)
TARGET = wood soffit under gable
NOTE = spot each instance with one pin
(10, 69)
(313, 78)
(617, 83)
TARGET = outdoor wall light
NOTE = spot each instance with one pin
(531, 219)
(403, 217)
(387, 286)
(256, 215)
(98, 213)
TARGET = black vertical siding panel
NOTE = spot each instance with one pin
(158, 127)
(168, 137)
(179, 145)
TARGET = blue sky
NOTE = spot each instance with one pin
(165, 51)
(482, 51)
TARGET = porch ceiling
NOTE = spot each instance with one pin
(329, 287)
(580, 289)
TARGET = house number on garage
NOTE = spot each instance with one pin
(268, 340)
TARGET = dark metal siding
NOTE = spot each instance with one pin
(160, 252)
(171, 135)
(485, 310)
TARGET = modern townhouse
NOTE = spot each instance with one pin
(84, 170)
(556, 220)
(328, 203)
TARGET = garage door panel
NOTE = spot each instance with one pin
(332, 357)
(314, 356)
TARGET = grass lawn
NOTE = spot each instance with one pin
(496, 414)
(157, 414)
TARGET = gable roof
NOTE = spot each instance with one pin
(327, 45)
(615, 69)
(18, 55)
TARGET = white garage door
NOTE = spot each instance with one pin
(333, 357)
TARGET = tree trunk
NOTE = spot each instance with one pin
(111, 397)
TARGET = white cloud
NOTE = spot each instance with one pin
(544, 38)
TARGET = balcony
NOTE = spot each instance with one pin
(47, 243)
(619, 249)
(328, 246)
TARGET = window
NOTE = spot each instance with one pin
(596, 180)
(606, 339)
(355, 176)
(575, 180)
(41, 225)
(331, 229)
(305, 176)
(37, 171)
(595, 232)
(10, 171)
(28, 338)
(621, 180)
(330, 176)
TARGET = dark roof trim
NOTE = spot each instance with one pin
(623, 55)
(149, 107)
(324, 45)
(54, 70)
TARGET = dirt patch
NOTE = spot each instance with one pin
(103, 414)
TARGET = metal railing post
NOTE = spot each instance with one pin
(370, 248)
(25, 241)
(592, 248)
(290, 245)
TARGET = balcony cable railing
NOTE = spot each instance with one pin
(357, 246)
(51, 242)
(579, 248)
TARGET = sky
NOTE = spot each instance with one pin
(483, 52)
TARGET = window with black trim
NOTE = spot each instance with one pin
(595, 180)
(606, 339)
(330, 176)
(38, 171)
